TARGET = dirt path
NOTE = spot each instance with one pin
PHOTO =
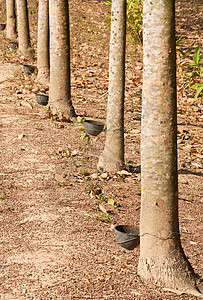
(55, 241)
(52, 245)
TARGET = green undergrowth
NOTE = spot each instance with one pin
(190, 67)
(133, 19)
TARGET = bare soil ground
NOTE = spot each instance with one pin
(56, 241)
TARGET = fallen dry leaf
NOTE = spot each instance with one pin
(112, 227)
(21, 136)
(59, 178)
(193, 243)
(93, 176)
(35, 89)
(135, 131)
(26, 104)
(74, 153)
(104, 175)
(180, 129)
(187, 148)
(173, 291)
(110, 201)
(124, 172)
(102, 208)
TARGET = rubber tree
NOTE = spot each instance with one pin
(162, 259)
(60, 90)
(43, 42)
(11, 33)
(112, 157)
(23, 30)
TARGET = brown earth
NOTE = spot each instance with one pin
(56, 239)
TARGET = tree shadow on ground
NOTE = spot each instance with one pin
(185, 171)
(195, 125)
(137, 169)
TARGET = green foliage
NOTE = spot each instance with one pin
(79, 119)
(190, 67)
(197, 73)
(133, 19)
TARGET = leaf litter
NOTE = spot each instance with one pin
(89, 263)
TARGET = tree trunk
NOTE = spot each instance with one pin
(11, 33)
(43, 42)
(60, 90)
(162, 259)
(23, 30)
(112, 158)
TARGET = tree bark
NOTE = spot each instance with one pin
(11, 33)
(162, 259)
(60, 90)
(23, 30)
(112, 157)
(43, 42)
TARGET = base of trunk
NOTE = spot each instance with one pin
(43, 75)
(11, 35)
(27, 53)
(62, 111)
(173, 272)
(109, 162)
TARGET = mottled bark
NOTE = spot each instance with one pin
(23, 30)
(112, 158)
(162, 259)
(60, 90)
(11, 33)
(43, 42)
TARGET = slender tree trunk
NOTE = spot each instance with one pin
(162, 259)
(23, 30)
(112, 158)
(43, 42)
(60, 90)
(11, 33)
